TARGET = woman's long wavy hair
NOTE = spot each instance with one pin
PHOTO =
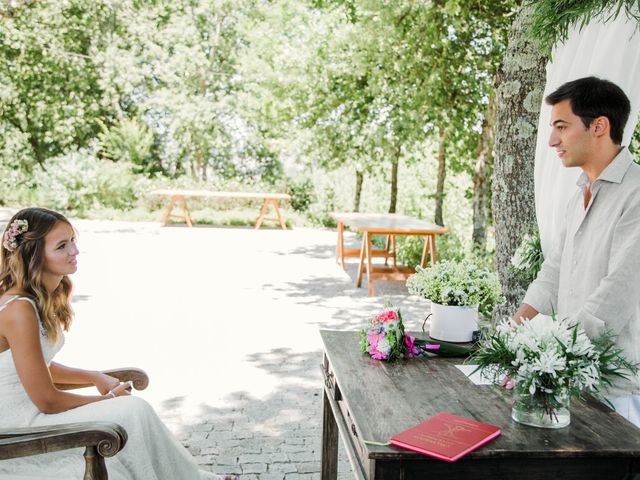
(22, 268)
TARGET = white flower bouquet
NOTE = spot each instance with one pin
(551, 361)
(461, 284)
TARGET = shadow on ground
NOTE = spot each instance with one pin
(278, 436)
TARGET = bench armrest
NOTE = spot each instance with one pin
(107, 438)
(139, 378)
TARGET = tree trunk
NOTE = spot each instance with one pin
(442, 171)
(481, 176)
(359, 181)
(519, 95)
(395, 161)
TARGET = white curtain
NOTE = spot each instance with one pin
(610, 51)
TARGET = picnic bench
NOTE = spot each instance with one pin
(390, 225)
(179, 197)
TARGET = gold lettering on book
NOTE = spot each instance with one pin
(452, 430)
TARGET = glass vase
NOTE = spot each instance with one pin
(541, 410)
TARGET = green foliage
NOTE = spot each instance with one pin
(527, 259)
(131, 141)
(302, 194)
(50, 89)
(77, 182)
(457, 283)
(552, 18)
(634, 147)
(409, 249)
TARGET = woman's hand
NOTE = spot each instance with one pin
(120, 390)
(104, 382)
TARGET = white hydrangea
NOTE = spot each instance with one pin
(384, 346)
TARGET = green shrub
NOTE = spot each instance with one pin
(302, 194)
(77, 182)
(409, 248)
(130, 141)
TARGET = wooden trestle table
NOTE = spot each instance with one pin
(390, 225)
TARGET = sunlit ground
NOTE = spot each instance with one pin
(216, 316)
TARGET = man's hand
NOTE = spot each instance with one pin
(525, 312)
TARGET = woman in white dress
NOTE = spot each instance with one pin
(38, 254)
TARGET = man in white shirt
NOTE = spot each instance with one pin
(592, 274)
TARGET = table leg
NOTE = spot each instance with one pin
(263, 211)
(427, 245)
(340, 245)
(393, 249)
(362, 255)
(274, 202)
(185, 210)
(167, 213)
(387, 246)
(369, 269)
(434, 257)
(329, 454)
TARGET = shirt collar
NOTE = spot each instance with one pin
(614, 172)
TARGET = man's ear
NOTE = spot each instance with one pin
(600, 126)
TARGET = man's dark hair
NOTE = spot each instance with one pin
(593, 97)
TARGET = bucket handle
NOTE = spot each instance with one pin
(425, 322)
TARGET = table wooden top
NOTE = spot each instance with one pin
(210, 193)
(385, 399)
(388, 223)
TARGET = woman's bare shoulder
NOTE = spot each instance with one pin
(18, 314)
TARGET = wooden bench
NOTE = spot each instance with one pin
(179, 197)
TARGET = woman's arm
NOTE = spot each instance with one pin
(20, 328)
(63, 374)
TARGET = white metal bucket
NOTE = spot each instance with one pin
(452, 323)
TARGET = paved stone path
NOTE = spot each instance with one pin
(225, 321)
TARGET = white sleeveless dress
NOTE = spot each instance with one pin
(151, 452)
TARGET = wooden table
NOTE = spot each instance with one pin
(179, 197)
(390, 225)
(365, 399)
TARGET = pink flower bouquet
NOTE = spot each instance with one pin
(385, 338)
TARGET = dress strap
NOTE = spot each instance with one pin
(28, 299)
(15, 297)
(33, 304)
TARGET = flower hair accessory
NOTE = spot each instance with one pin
(385, 338)
(17, 228)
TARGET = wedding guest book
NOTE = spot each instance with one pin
(446, 436)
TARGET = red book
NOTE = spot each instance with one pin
(446, 436)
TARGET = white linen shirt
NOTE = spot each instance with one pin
(592, 275)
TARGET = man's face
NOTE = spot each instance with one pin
(569, 137)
